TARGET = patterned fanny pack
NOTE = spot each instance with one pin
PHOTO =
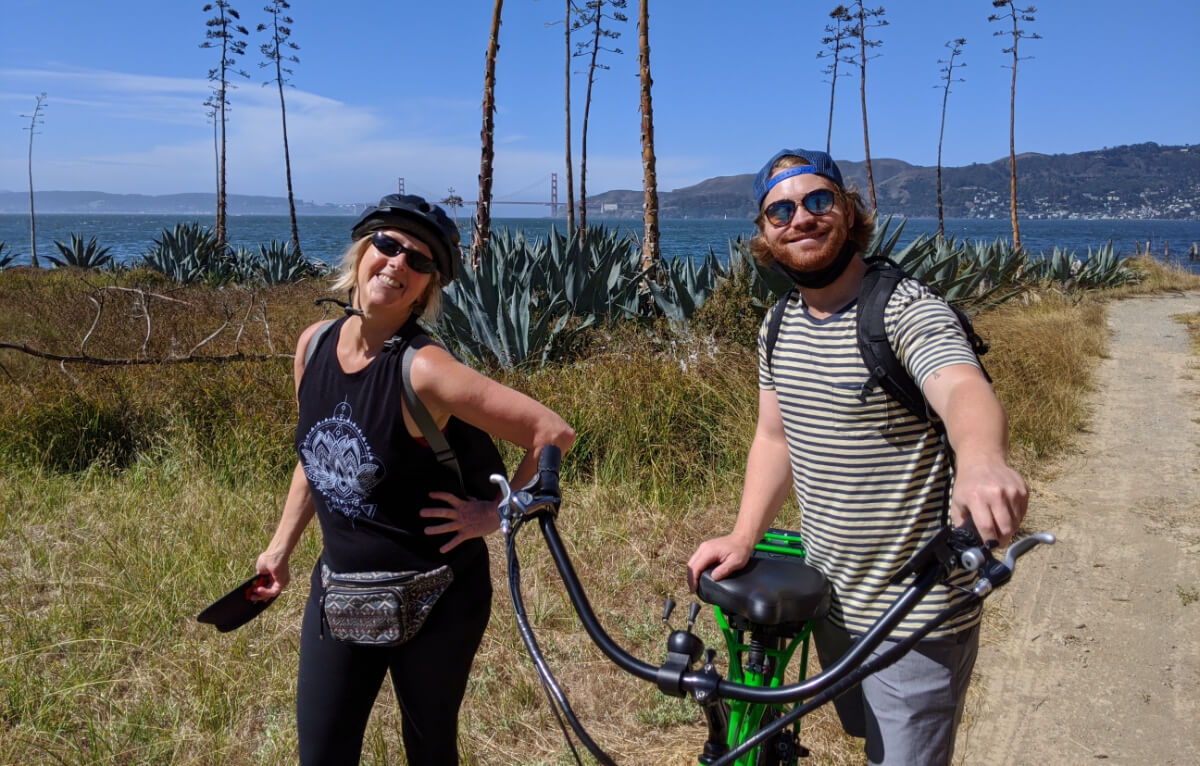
(380, 608)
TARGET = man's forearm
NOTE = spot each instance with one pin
(768, 482)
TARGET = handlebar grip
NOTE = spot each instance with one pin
(549, 459)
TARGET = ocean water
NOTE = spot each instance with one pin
(324, 237)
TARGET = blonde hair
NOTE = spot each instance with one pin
(428, 306)
(860, 234)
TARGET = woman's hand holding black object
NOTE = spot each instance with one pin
(275, 576)
(467, 519)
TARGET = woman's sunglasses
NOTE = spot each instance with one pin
(414, 259)
(817, 202)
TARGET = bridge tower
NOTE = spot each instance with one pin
(553, 195)
(400, 184)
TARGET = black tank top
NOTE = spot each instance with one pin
(363, 466)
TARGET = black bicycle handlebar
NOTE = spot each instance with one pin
(949, 550)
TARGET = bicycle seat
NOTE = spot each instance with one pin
(770, 590)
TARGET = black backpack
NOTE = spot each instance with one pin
(885, 369)
(469, 452)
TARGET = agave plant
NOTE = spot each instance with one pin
(241, 265)
(81, 255)
(686, 285)
(598, 272)
(766, 285)
(972, 275)
(1105, 268)
(270, 264)
(1101, 269)
(190, 253)
(496, 315)
(6, 258)
(279, 264)
(528, 296)
(1059, 266)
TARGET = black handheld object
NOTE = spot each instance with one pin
(235, 609)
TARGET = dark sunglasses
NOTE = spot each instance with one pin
(817, 202)
(414, 259)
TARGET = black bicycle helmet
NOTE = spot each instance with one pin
(413, 215)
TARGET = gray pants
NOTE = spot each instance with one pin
(909, 711)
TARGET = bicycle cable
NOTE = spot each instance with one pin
(559, 704)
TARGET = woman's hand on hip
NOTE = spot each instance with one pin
(467, 519)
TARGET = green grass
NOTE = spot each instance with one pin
(132, 495)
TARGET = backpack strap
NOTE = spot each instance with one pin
(880, 281)
(774, 323)
(311, 348)
(420, 414)
(978, 344)
(883, 367)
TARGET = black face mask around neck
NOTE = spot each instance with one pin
(822, 277)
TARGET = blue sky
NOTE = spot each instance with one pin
(386, 90)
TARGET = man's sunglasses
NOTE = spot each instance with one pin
(817, 202)
(414, 259)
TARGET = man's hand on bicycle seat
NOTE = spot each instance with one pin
(729, 553)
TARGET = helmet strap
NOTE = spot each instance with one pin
(347, 305)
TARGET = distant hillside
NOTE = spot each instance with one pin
(84, 202)
(1139, 181)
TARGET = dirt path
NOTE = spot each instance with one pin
(1101, 657)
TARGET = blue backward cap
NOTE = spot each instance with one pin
(820, 163)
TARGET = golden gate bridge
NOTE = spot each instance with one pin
(553, 204)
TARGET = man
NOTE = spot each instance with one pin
(871, 478)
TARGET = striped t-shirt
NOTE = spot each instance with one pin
(870, 477)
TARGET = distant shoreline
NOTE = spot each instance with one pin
(592, 216)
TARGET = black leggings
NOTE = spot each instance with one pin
(339, 682)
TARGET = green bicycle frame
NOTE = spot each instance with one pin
(745, 718)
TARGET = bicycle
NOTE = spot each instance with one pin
(765, 613)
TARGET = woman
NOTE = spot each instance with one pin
(363, 465)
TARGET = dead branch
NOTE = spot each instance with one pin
(139, 291)
(63, 367)
(228, 314)
(237, 339)
(99, 309)
(214, 334)
(141, 303)
(262, 314)
(101, 362)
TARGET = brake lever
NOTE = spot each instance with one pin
(995, 573)
(1022, 546)
(505, 508)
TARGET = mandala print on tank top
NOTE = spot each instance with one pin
(339, 463)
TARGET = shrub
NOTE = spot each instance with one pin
(73, 431)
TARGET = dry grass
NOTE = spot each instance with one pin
(174, 480)
(1041, 362)
(1192, 323)
(1157, 277)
